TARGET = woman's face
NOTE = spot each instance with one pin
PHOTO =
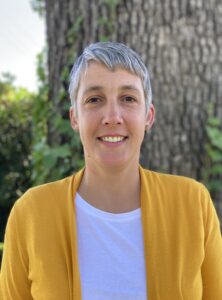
(111, 117)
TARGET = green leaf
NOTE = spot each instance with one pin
(50, 161)
(216, 170)
(215, 155)
(213, 121)
(214, 185)
(215, 136)
(61, 151)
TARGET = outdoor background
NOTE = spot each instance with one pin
(181, 43)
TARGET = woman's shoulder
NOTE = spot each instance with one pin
(185, 197)
(171, 179)
(177, 188)
(45, 195)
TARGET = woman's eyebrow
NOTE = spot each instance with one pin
(93, 88)
(129, 87)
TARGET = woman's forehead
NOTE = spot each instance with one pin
(99, 75)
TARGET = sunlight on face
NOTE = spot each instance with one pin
(111, 115)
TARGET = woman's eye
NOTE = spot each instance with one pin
(93, 100)
(129, 99)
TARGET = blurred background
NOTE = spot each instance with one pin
(181, 43)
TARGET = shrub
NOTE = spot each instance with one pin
(15, 145)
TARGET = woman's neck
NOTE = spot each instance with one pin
(114, 191)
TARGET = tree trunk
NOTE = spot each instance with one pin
(181, 43)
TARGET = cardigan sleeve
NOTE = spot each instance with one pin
(212, 263)
(14, 271)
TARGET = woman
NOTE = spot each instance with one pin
(114, 230)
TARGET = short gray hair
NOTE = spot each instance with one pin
(112, 55)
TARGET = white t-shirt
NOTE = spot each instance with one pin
(110, 253)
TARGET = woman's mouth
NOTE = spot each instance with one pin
(112, 139)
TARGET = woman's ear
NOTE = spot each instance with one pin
(150, 117)
(73, 118)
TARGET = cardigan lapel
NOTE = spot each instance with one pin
(148, 195)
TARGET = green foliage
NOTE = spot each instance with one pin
(55, 161)
(41, 109)
(112, 4)
(15, 144)
(74, 30)
(212, 174)
(108, 23)
(52, 162)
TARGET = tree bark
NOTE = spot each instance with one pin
(181, 43)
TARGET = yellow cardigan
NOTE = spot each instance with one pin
(182, 240)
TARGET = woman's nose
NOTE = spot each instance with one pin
(112, 114)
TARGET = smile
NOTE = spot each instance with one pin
(112, 139)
